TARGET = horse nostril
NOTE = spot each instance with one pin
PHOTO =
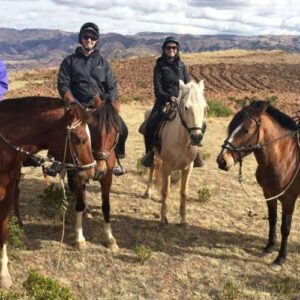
(196, 138)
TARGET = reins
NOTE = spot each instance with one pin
(229, 146)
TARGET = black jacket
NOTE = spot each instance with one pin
(166, 78)
(86, 76)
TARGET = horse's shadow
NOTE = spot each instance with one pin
(171, 239)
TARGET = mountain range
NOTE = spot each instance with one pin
(33, 48)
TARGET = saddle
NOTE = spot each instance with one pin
(169, 113)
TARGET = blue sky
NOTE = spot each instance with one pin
(243, 17)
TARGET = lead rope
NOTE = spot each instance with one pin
(240, 177)
(64, 199)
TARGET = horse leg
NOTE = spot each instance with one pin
(185, 175)
(288, 205)
(15, 195)
(5, 205)
(79, 191)
(165, 190)
(147, 193)
(106, 182)
(272, 212)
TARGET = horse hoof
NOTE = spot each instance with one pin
(81, 245)
(113, 246)
(183, 224)
(276, 267)
(5, 282)
(163, 222)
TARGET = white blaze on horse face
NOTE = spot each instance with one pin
(78, 228)
(4, 262)
(233, 134)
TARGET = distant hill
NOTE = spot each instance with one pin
(31, 48)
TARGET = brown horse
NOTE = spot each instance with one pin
(104, 130)
(273, 138)
(30, 125)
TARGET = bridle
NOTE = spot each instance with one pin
(183, 122)
(258, 146)
(102, 155)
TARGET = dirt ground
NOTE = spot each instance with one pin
(217, 255)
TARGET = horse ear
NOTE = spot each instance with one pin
(246, 101)
(81, 113)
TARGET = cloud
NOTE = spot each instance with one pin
(251, 17)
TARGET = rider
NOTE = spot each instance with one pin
(169, 69)
(86, 77)
(3, 80)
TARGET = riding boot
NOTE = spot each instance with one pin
(198, 161)
(148, 160)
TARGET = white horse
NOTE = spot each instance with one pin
(180, 139)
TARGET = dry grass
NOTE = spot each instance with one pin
(216, 257)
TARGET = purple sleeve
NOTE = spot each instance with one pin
(3, 80)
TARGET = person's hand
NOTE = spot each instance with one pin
(173, 99)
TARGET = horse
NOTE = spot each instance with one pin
(273, 138)
(104, 130)
(180, 140)
(28, 125)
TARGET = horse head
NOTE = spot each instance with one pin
(244, 135)
(105, 133)
(192, 109)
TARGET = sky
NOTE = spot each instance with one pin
(242, 17)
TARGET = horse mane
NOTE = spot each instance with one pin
(32, 102)
(108, 117)
(283, 120)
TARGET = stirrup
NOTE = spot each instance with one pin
(148, 160)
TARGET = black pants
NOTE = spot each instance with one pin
(120, 148)
(152, 123)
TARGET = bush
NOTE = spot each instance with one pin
(287, 286)
(40, 287)
(175, 176)
(140, 168)
(205, 155)
(9, 295)
(143, 253)
(218, 109)
(16, 234)
(230, 291)
(52, 204)
(204, 194)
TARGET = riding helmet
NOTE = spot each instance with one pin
(170, 39)
(89, 26)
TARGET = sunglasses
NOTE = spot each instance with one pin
(86, 37)
(171, 48)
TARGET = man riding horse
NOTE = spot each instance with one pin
(86, 77)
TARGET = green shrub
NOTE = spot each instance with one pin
(175, 176)
(143, 253)
(205, 155)
(16, 234)
(140, 168)
(40, 287)
(140, 98)
(272, 99)
(52, 201)
(230, 291)
(9, 295)
(287, 286)
(218, 109)
(204, 194)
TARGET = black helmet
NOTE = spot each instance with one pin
(88, 27)
(170, 39)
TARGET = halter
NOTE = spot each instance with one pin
(102, 155)
(183, 122)
(60, 166)
(229, 146)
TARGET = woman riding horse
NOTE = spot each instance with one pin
(169, 69)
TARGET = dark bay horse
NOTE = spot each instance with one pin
(105, 130)
(32, 124)
(273, 138)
